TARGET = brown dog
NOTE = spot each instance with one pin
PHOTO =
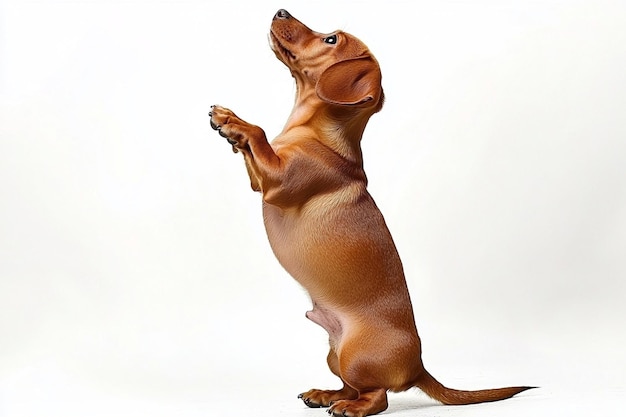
(325, 228)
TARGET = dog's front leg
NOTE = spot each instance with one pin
(250, 140)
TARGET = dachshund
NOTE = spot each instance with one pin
(326, 230)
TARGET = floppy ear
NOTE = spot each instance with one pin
(351, 82)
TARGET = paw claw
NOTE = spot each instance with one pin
(311, 404)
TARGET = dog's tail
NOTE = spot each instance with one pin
(448, 396)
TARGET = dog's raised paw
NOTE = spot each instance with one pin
(228, 125)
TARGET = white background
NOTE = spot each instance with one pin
(135, 275)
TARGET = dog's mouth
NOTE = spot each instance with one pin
(279, 48)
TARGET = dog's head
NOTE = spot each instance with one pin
(339, 67)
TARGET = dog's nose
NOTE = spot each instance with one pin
(282, 14)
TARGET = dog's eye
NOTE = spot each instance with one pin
(332, 39)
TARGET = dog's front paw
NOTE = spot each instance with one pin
(229, 126)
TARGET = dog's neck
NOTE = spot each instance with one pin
(338, 127)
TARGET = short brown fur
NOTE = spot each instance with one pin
(325, 228)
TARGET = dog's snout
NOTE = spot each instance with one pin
(282, 14)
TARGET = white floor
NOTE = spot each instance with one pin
(261, 399)
(244, 369)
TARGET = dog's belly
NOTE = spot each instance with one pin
(297, 242)
(318, 249)
(345, 258)
(289, 241)
(333, 243)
